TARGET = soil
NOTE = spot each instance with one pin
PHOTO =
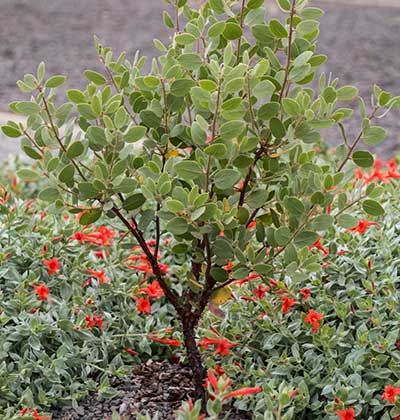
(152, 387)
(360, 40)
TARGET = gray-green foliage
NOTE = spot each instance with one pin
(228, 125)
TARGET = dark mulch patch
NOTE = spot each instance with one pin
(152, 387)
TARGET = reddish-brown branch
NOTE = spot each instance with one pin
(169, 293)
(248, 176)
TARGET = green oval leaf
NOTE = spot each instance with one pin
(28, 175)
(135, 134)
(226, 178)
(347, 221)
(232, 129)
(76, 96)
(95, 77)
(306, 238)
(188, 169)
(11, 131)
(134, 201)
(232, 31)
(55, 81)
(373, 208)
(90, 216)
(363, 158)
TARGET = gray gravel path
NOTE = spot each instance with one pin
(362, 42)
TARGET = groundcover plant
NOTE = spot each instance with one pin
(231, 170)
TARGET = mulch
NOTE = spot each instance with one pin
(152, 387)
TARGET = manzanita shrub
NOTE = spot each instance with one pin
(228, 166)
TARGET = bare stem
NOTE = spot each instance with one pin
(176, 17)
(289, 51)
(241, 26)
(356, 141)
(213, 130)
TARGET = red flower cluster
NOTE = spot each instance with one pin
(346, 414)
(361, 227)
(94, 321)
(260, 291)
(42, 291)
(287, 303)
(153, 290)
(222, 344)
(100, 236)
(390, 393)
(32, 413)
(313, 318)
(100, 275)
(143, 305)
(53, 265)
(306, 293)
(378, 173)
(144, 264)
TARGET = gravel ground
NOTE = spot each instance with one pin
(361, 42)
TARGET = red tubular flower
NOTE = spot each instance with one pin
(260, 291)
(222, 344)
(242, 391)
(94, 321)
(273, 283)
(294, 393)
(33, 413)
(319, 246)
(346, 414)
(392, 166)
(252, 276)
(153, 290)
(313, 318)
(212, 380)
(145, 268)
(390, 393)
(78, 236)
(361, 227)
(143, 305)
(170, 342)
(42, 291)
(251, 225)
(52, 265)
(101, 236)
(287, 303)
(229, 266)
(306, 293)
(219, 370)
(131, 352)
(100, 275)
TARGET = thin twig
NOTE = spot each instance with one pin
(289, 51)
(241, 27)
(356, 141)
